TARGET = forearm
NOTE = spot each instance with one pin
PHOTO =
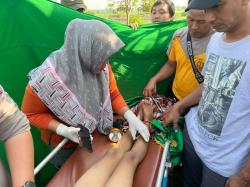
(245, 171)
(53, 125)
(20, 155)
(242, 178)
(122, 111)
(117, 101)
(167, 70)
(190, 100)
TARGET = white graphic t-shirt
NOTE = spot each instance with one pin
(219, 127)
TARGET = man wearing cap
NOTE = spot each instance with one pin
(75, 4)
(217, 131)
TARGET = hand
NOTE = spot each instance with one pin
(237, 180)
(172, 116)
(135, 124)
(134, 26)
(68, 132)
(150, 88)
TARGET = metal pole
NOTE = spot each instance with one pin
(50, 155)
(162, 165)
(165, 178)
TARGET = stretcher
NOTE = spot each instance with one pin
(148, 174)
(33, 42)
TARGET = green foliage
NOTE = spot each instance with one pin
(180, 13)
(101, 13)
(123, 5)
(140, 11)
(136, 19)
(146, 6)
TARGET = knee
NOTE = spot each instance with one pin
(132, 158)
(114, 152)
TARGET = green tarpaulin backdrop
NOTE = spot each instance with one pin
(32, 29)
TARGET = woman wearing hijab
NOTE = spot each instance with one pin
(75, 86)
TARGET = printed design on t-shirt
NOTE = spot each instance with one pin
(222, 76)
(199, 63)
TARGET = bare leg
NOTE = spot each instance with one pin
(147, 113)
(147, 110)
(99, 173)
(124, 173)
(140, 114)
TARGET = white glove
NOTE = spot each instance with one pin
(68, 132)
(135, 124)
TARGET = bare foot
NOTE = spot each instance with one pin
(140, 113)
(147, 109)
(148, 116)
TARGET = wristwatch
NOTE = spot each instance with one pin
(29, 184)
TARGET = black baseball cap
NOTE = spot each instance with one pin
(202, 4)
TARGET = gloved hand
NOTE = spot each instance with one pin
(135, 124)
(68, 132)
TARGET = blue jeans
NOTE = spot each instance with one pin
(196, 173)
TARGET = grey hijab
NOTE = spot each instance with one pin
(88, 45)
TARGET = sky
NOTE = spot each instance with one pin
(101, 4)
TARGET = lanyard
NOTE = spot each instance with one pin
(197, 74)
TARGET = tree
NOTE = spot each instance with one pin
(147, 5)
(123, 5)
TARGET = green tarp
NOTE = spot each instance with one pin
(32, 29)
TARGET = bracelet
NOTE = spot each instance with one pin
(29, 184)
(148, 125)
(146, 122)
